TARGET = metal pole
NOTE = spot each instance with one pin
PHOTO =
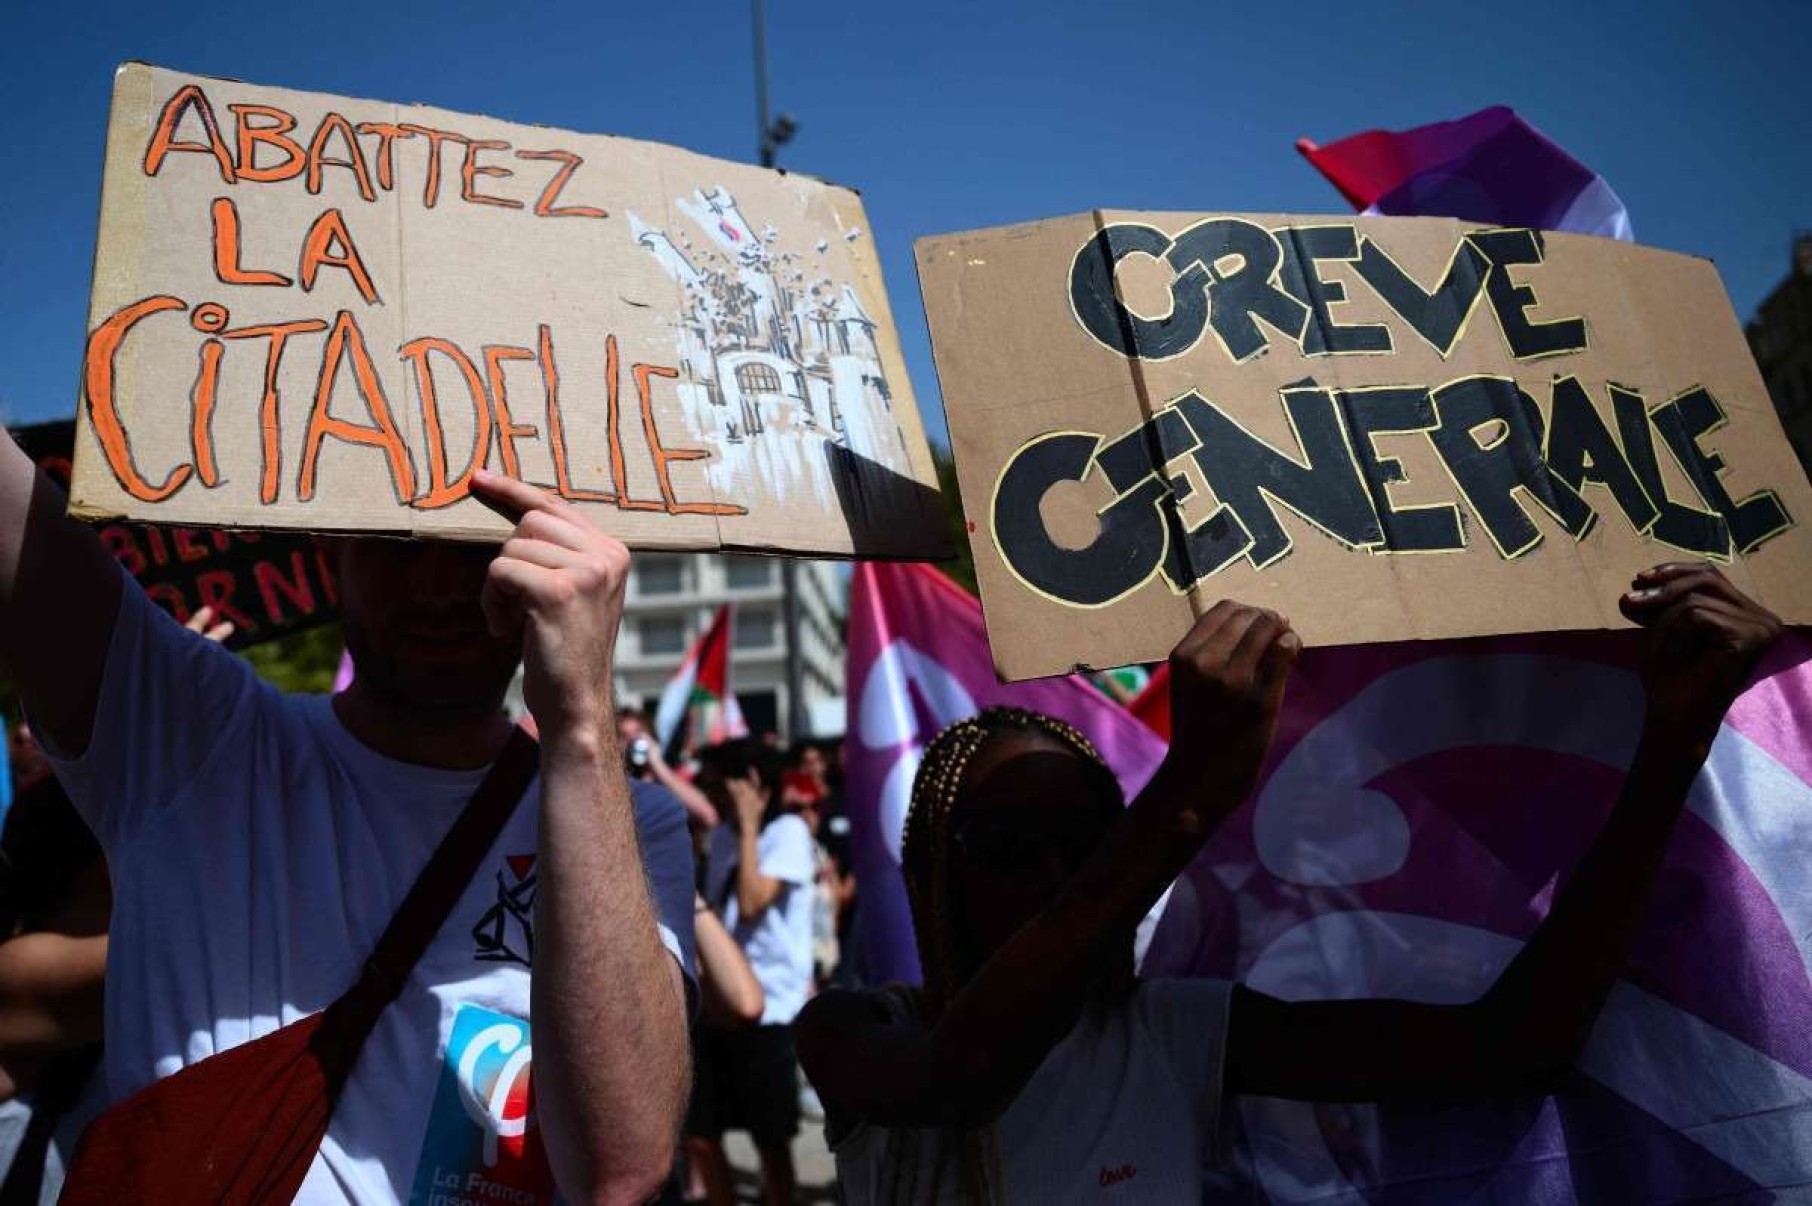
(764, 142)
(798, 723)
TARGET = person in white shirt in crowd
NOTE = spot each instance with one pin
(1034, 1067)
(259, 843)
(644, 759)
(759, 874)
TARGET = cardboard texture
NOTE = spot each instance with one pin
(268, 584)
(315, 312)
(1385, 428)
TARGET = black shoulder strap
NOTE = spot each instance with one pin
(444, 880)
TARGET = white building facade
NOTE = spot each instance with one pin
(671, 599)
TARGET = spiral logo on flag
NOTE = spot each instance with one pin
(1418, 817)
(906, 700)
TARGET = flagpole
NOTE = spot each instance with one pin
(769, 136)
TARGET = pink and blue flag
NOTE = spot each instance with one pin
(918, 660)
(1489, 167)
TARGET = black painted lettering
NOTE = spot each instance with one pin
(1192, 553)
(1303, 248)
(1489, 472)
(1581, 449)
(1510, 301)
(1754, 520)
(1437, 317)
(1102, 314)
(1238, 292)
(1126, 550)
(1388, 410)
(1247, 474)
(1685, 528)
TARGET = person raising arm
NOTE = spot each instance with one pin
(1032, 1055)
(609, 1013)
(1704, 641)
(59, 595)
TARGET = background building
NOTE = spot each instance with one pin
(671, 599)
(1780, 335)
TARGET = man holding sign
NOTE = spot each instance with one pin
(332, 315)
(259, 843)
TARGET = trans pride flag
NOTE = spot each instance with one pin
(1491, 167)
(918, 660)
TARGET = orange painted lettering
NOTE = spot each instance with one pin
(276, 134)
(507, 431)
(329, 230)
(346, 342)
(103, 411)
(441, 491)
(619, 470)
(163, 138)
(201, 412)
(226, 250)
(431, 185)
(664, 456)
(330, 125)
(470, 170)
(544, 205)
(268, 416)
(387, 134)
(556, 426)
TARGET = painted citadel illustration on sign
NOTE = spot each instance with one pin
(777, 359)
(321, 313)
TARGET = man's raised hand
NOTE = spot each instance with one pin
(560, 580)
(1227, 679)
(1705, 639)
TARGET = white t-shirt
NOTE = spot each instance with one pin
(257, 851)
(778, 944)
(1125, 1108)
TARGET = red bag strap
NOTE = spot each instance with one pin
(443, 881)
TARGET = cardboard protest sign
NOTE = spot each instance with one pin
(268, 584)
(1384, 428)
(320, 313)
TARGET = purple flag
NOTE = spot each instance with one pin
(1417, 810)
(1491, 166)
(918, 660)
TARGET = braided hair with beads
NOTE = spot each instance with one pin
(926, 846)
(925, 862)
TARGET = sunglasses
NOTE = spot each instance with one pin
(1020, 845)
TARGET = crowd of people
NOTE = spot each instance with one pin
(775, 925)
(199, 865)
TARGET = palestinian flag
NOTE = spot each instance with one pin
(701, 690)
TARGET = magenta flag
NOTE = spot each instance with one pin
(918, 660)
(1419, 807)
(1490, 166)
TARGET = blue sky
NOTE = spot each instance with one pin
(950, 116)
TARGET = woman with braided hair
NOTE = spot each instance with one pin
(1034, 1067)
